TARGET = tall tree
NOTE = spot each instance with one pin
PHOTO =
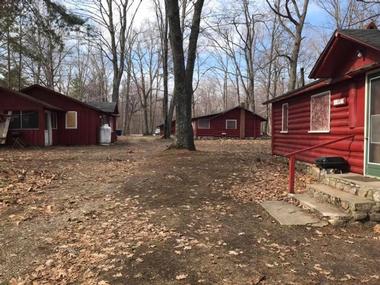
(36, 38)
(350, 13)
(183, 73)
(293, 13)
(163, 27)
(116, 17)
(146, 63)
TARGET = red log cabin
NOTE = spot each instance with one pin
(344, 101)
(43, 117)
(237, 122)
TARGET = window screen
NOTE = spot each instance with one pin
(29, 120)
(285, 117)
(231, 124)
(15, 121)
(71, 120)
(203, 123)
(320, 113)
(375, 129)
(24, 120)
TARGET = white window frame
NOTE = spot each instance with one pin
(76, 120)
(229, 120)
(329, 110)
(201, 128)
(282, 119)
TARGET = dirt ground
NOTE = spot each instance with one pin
(136, 213)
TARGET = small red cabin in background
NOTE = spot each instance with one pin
(237, 122)
(43, 117)
(343, 102)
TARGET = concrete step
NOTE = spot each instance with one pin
(359, 207)
(289, 215)
(333, 214)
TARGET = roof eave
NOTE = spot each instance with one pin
(321, 57)
(60, 94)
(313, 74)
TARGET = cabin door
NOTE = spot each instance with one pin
(373, 126)
(48, 129)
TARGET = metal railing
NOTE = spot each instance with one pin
(292, 159)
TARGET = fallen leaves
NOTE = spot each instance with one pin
(259, 180)
(108, 228)
(181, 276)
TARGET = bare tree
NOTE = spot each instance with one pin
(163, 27)
(118, 27)
(350, 13)
(183, 74)
(291, 12)
(145, 70)
(235, 34)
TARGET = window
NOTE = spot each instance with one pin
(71, 120)
(231, 124)
(54, 121)
(320, 113)
(285, 118)
(15, 121)
(24, 120)
(203, 123)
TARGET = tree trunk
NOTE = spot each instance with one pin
(127, 95)
(20, 56)
(9, 57)
(145, 113)
(183, 78)
(167, 119)
(269, 79)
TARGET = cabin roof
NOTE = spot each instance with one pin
(106, 107)
(366, 37)
(369, 37)
(31, 99)
(55, 93)
(217, 114)
(308, 87)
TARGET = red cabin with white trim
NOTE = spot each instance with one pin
(344, 101)
(41, 116)
(237, 122)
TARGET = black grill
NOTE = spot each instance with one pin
(338, 163)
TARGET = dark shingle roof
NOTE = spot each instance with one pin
(107, 107)
(217, 114)
(28, 91)
(30, 98)
(368, 37)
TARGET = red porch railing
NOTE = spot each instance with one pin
(292, 159)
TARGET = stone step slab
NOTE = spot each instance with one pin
(359, 207)
(333, 214)
(290, 215)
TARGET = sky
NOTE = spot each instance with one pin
(318, 26)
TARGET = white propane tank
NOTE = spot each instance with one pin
(105, 135)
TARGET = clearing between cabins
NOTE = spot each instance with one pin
(136, 213)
